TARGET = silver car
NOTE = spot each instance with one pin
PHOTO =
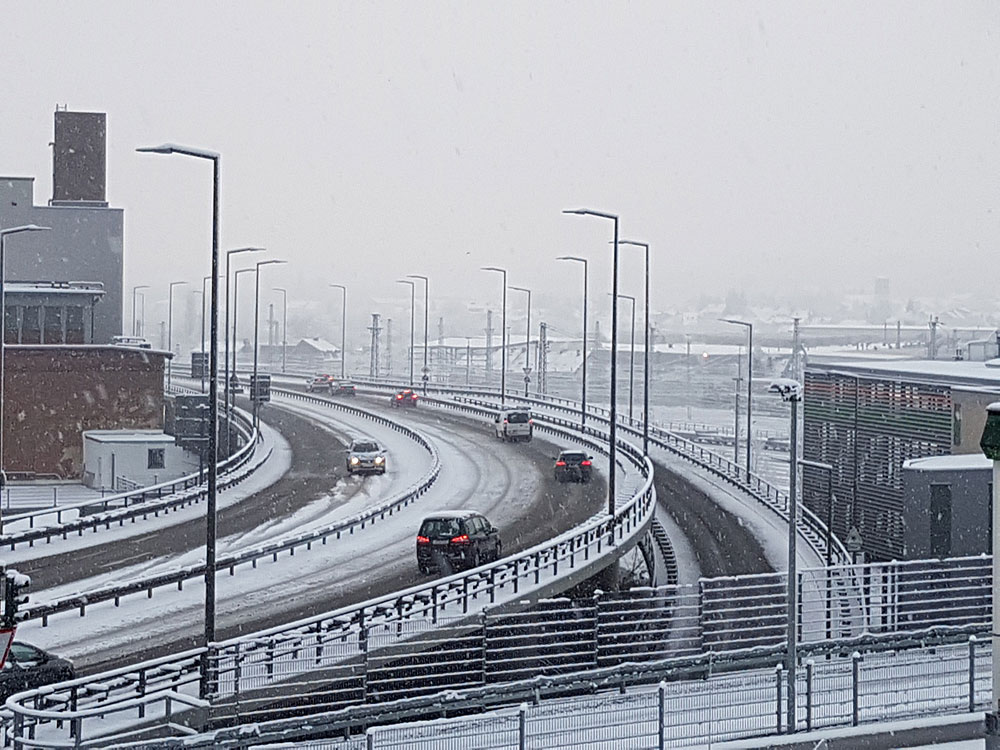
(365, 456)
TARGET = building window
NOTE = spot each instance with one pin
(156, 458)
(53, 325)
(956, 438)
(74, 325)
(10, 325)
(940, 541)
(31, 325)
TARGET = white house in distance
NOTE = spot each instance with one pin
(127, 459)
(315, 353)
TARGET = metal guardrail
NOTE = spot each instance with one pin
(267, 659)
(126, 506)
(272, 549)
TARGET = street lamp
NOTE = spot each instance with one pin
(990, 445)
(225, 335)
(170, 326)
(427, 285)
(503, 335)
(583, 387)
(645, 350)
(3, 319)
(527, 340)
(612, 424)
(791, 391)
(201, 345)
(236, 311)
(749, 327)
(213, 405)
(135, 321)
(343, 330)
(631, 357)
(256, 330)
(284, 324)
(413, 292)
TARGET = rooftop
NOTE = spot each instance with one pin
(948, 372)
(128, 436)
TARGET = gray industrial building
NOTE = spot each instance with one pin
(86, 241)
(868, 420)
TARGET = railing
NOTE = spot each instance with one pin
(287, 544)
(126, 506)
(245, 671)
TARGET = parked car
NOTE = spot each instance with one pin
(342, 388)
(456, 540)
(406, 398)
(29, 667)
(365, 456)
(319, 383)
(513, 425)
(573, 466)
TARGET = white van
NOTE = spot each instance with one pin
(513, 425)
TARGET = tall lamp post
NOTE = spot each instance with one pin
(225, 335)
(791, 391)
(527, 340)
(503, 335)
(749, 327)
(213, 404)
(284, 324)
(4, 233)
(135, 320)
(343, 330)
(645, 350)
(413, 297)
(425, 371)
(170, 325)
(256, 329)
(201, 344)
(612, 423)
(583, 387)
(631, 357)
(990, 445)
(236, 310)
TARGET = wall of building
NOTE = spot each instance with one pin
(970, 418)
(121, 465)
(85, 244)
(946, 513)
(52, 394)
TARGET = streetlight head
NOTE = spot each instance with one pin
(23, 228)
(163, 148)
(578, 211)
(572, 257)
(788, 389)
(416, 276)
(493, 268)
(246, 250)
(271, 262)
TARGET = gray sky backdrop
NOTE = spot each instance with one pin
(757, 145)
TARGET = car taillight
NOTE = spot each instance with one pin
(531, 421)
(463, 539)
(423, 540)
(399, 398)
(414, 396)
(585, 463)
(505, 421)
(560, 463)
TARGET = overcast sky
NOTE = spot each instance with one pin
(756, 145)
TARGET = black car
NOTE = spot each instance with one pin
(405, 398)
(456, 540)
(573, 466)
(29, 667)
(343, 388)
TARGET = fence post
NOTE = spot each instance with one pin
(972, 674)
(661, 714)
(522, 727)
(370, 739)
(778, 707)
(855, 686)
(809, 694)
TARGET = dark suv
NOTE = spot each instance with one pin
(456, 540)
(30, 667)
(573, 466)
(406, 398)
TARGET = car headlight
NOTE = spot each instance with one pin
(379, 459)
(354, 460)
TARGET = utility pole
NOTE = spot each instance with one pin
(796, 371)
(541, 358)
(376, 330)
(687, 337)
(933, 323)
(441, 330)
(736, 425)
(899, 334)
(388, 346)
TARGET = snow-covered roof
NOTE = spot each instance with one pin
(320, 345)
(949, 372)
(128, 436)
(961, 462)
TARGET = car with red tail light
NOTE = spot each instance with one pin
(456, 540)
(573, 466)
(404, 399)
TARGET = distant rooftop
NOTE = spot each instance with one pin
(948, 372)
(128, 436)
